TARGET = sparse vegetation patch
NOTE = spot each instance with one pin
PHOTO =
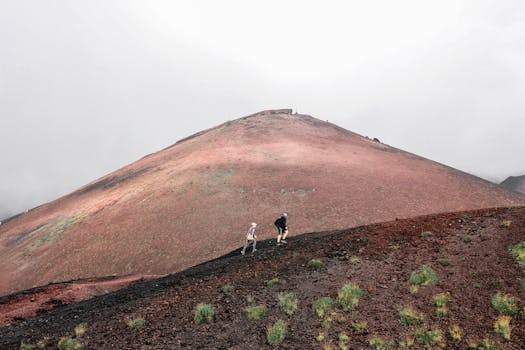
(227, 288)
(440, 301)
(487, 344)
(204, 313)
(255, 313)
(276, 333)
(343, 341)
(502, 326)
(444, 262)
(505, 223)
(455, 332)
(376, 343)
(321, 337)
(354, 260)
(315, 264)
(349, 295)
(43, 342)
(323, 306)
(409, 317)
(428, 337)
(518, 251)
(424, 277)
(359, 327)
(274, 282)
(69, 344)
(136, 323)
(505, 304)
(80, 330)
(288, 303)
(426, 234)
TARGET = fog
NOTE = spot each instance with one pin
(87, 87)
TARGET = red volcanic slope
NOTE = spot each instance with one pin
(191, 202)
(515, 183)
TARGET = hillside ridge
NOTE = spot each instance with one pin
(154, 216)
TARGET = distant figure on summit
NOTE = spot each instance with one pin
(250, 237)
(282, 228)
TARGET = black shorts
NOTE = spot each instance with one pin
(280, 230)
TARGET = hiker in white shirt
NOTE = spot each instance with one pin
(250, 237)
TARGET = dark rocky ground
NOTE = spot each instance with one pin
(468, 251)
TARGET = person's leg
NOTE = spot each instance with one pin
(279, 235)
(285, 235)
(245, 246)
(254, 245)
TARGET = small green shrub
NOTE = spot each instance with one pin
(518, 251)
(227, 288)
(426, 234)
(343, 337)
(505, 223)
(24, 346)
(80, 330)
(315, 264)
(472, 345)
(288, 303)
(321, 337)
(414, 289)
(505, 304)
(477, 285)
(276, 333)
(354, 260)
(343, 340)
(359, 327)
(42, 343)
(455, 332)
(502, 326)
(428, 337)
(487, 344)
(338, 317)
(250, 299)
(136, 323)
(425, 277)
(440, 301)
(444, 262)
(69, 344)
(409, 317)
(255, 313)
(326, 322)
(377, 343)
(203, 313)
(349, 295)
(323, 306)
(274, 282)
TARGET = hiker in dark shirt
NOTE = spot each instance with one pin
(282, 228)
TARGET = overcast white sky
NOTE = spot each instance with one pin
(87, 87)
